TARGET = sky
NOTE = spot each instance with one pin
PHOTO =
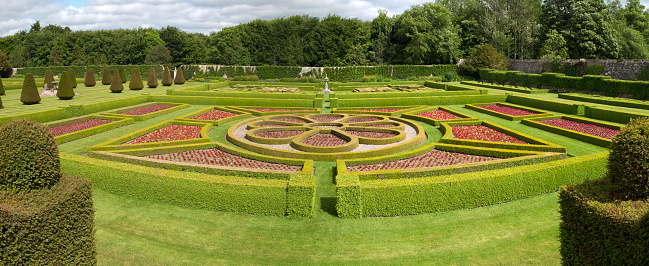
(202, 16)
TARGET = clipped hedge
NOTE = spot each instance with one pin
(300, 196)
(623, 102)
(293, 110)
(506, 87)
(49, 226)
(431, 93)
(405, 101)
(414, 116)
(119, 112)
(117, 122)
(348, 196)
(233, 101)
(566, 108)
(602, 142)
(476, 107)
(377, 111)
(616, 116)
(240, 115)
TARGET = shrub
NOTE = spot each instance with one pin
(484, 56)
(246, 78)
(29, 156)
(2, 88)
(136, 80)
(90, 78)
(72, 77)
(179, 78)
(628, 165)
(5, 66)
(49, 77)
(166, 77)
(116, 84)
(153, 80)
(29, 94)
(1, 106)
(122, 75)
(65, 91)
(105, 77)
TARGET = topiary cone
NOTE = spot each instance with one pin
(29, 94)
(2, 88)
(65, 91)
(153, 79)
(49, 77)
(136, 80)
(166, 77)
(179, 78)
(90, 78)
(105, 77)
(116, 84)
(29, 156)
(73, 78)
(1, 106)
(122, 75)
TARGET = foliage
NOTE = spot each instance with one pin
(136, 80)
(90, 78)
(179, 78)
(72, 76)
(166, 77)
(105, 78)
(116, 83)
(29, 94)
(2, 88)
(158, 55)
(153, 80)
(246, 78)
(628, 166)
(5, 66)
(554, 46)
(122, 75)
(484, 56)
(29, 156)
(49, 77)
(65, 91)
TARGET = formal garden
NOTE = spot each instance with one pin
(280, 165)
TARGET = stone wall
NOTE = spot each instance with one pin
(617, 69)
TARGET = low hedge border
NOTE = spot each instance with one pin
(233, 101)
(614, 101)
(189, 189)
(602, 142)
(118, 122)
(413, 116)
(534, 144)
(234, 94)
(476, 107)
(119, 112)
(299, 110)
(610, 115)
(352, 143)
(252, 134)
(358, 110)
(432, 93)
(506, 87)
(431, 101)
(394, 197)
(595, 230)
(566, 108)
(241, 115)
(50, 226)
(117, 144)
(461, 87)
(300, 196)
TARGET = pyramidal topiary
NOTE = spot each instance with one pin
(116, 84)
(105, 77)
(179, 78)
(29, 156)
(122, 75)
(2, 88)
(49, 77)
(153, 79)
(29, 94)
(1, 106)
(166, 77)
(73, 78)
(136, 80)
(90, 78)
(65, 91)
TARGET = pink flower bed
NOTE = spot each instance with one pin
(265, 110)
(290, 119)
(268, 124)
(280, 134)
(147, 109)
(434, 158)
(370, 134)
(214, 115)
(324, 140)
(326, 118)
(439, 115)
(380, 110)
(221, 158)
(507, 110)
(598, 131)
(169, 133)
(77, 126)
(383, 125)
(480, 132)
(363, 119)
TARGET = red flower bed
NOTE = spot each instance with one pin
(214, 115)
(480, 132)
(598, 131)
(439, 115)
(507, 110)
(290, 119)
(77, 126)
(169, 133)
(380, 110)
(363, 119)
(326, 118)
(218, 157)
(370, 134)
(265, 110)
(280, 134)
(268, 124)
(147, 109)
(434, 158)
(324, 140)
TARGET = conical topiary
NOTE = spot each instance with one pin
(166, 77)
(49, 77)
(90, 78)
(29, 156)
(179, 78)
(1, 106)
(73, 77)
(65, 91)
(2, 88)
(136, 80)
(122, 75)
(29, 94)
(105, 77)
(153, 79)
(116, 84)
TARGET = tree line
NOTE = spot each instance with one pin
(431, 33)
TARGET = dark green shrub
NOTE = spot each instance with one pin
(122, 75)
(1, 106)
(2, 88)
(5, 67)
(29, 156)
(90, 78)
(153, 79)
(49, 77)
(136, 80)
(628, 165)
(246, 78)
(72, 77)
(65, 91)
(105, 77)
(484, 56)
(179, 78)
(116, 84)
(166, 77)
(29, 94)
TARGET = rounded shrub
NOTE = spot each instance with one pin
(105, 77)
(29, 94)
(116, 84)
(166, 77)
(29, 156)
(136, 80)
(179, 78)
(153, 79)
(65, 91)
(122, 75)
(90, 78)
(628, 162)
(49, 77)
(72, 76)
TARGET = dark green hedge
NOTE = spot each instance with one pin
(614, 101)
(80, 71)
(371, 95)
(596, 230)
(235, 101)
(404, 101)
(611, 115)
(50, 226)
(506, 87)
(566, 108)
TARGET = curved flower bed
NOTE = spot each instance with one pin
(434, 158)
(363, 119)
(169, 133)
(291, 119)
(380, 110)
(214, 114)
(266, 110)
(326, 118)
(147, 109)
(280, 134)
(324, 140)
(439, 115)
(370, 134)
(217, 157)
(507, 110)
(598, 131)
(480, 132)
(78, 126)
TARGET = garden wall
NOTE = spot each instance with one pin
(617, 69)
